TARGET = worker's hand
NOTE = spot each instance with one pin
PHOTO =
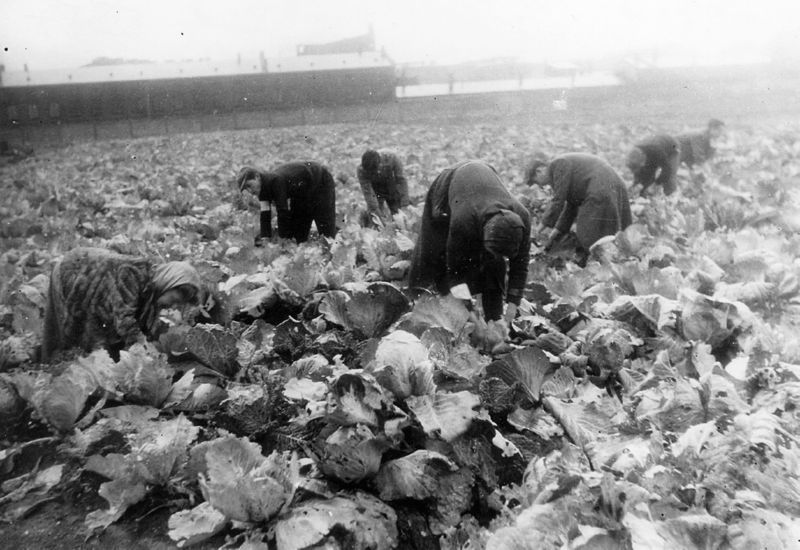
(497, 332)
(479, 330)
(551, 239)
(510, 314)
(207, 305)
(485, 336)
(377, 219)
(540, 234)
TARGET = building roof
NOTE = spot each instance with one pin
(194, 69)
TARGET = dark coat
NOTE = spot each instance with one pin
(302, 192)
(450, 249)
(586, 191)
(661, 155)
(388, 186)
(98, 299)
(695, 147)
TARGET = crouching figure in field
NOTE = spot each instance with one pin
(382, 182)
(698, 147)
(656, 154)
(101, 299)
(474, 237)
(587, 192)
(302, 192)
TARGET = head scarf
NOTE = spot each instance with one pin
(174, 274)
(503, 233)
(166, 277)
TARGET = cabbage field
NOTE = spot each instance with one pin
(646, 401)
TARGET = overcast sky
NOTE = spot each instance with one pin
(49, 34)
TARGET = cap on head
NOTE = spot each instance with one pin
(715, 123)
(370, 160)
(503, 233)
(245, 174)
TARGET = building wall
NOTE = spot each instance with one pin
(137, 99)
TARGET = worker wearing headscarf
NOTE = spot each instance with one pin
(586, 191)
(100, 299)
(302, 192)
(474, 237)
(656, 154)
(698, 147)
(382, 182)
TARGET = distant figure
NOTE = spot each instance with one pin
(586, 191)
(697, 147)
(656, 154)
(403, 82)
(561, 103)
(382, 181)
(100, 299)
(471, 225)
(302, 191)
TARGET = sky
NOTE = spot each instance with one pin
(52, 34)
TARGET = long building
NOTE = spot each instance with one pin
(152, 90)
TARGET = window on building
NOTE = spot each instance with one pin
(33, 111)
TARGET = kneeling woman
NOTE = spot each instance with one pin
(100, 299)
